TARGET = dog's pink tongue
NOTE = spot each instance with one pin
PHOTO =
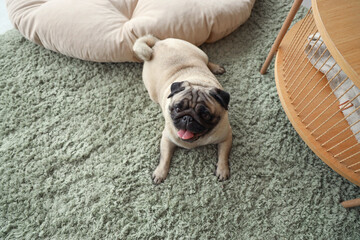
(185, 134)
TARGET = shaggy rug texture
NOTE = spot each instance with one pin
(79, 141)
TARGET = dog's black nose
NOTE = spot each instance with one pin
(187, 119)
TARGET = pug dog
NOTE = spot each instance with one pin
(179, 77)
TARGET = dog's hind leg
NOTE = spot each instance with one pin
(215, 69)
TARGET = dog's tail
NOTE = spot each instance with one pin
(143, 47)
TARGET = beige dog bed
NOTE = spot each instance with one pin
(105, 30)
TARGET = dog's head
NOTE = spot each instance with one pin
(195, 110)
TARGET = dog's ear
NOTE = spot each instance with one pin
(221, 97)
(175, 88)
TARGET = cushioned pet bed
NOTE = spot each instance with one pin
(105, 30)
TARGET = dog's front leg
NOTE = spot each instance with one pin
(222, 170)
(166, 152)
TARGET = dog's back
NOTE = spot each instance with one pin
(143, 48)
(169, 60)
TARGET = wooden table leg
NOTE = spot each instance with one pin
(283, 30)
(351, 203)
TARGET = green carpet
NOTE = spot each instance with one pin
(79, 141)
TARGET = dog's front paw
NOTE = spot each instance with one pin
(222, 172)
(159, 174)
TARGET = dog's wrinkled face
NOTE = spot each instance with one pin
(196, 110)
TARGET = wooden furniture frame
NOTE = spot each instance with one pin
(308, 100)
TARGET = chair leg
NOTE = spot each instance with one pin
(351, 203)
(283, 30)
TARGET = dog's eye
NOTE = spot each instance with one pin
(206, 116)
(178, 107)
